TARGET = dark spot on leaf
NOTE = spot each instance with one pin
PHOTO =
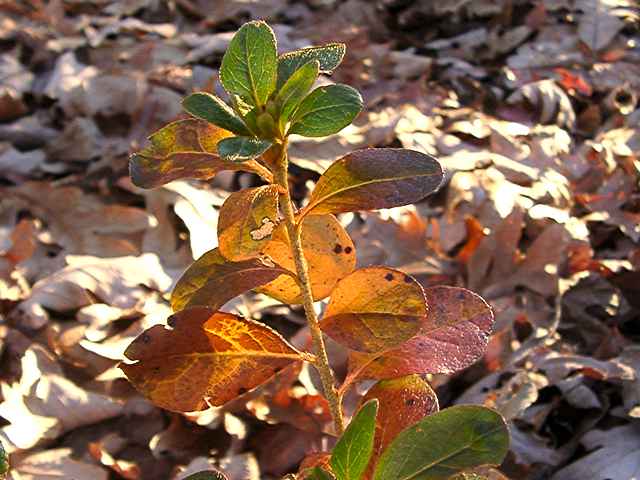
(407, 279)
(171, 321)
(145, 338)
(242, 391)
(348, 250)
(410, 402)
(388, 277)
(278, 369)
(460, 296)
(337, 248)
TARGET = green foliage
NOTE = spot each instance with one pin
(249, 66)
(445, 443)
(4, 462)
(351, 454)
(393, 329)
(295, 89)
(326, 111)
(328, 57)
(210, 108)
(240, 149)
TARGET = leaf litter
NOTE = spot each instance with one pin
(531, 108)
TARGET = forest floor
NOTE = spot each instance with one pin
(531, 107)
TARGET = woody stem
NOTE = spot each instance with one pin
(321, 362)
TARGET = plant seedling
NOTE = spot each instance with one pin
(395, 330)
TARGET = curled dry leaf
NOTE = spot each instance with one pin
(403, 402)
(183, 149)
(374, 309)
(213, 280)
(207, 358)
(329, 251)
(375, 178)
(454, 336)
(247, 220)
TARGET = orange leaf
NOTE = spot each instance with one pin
(208, 357)
(247, 220)
(402, 402)
(454, 336)
(329, 252)
(213, 280)
(374, 309)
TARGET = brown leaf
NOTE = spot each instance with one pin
(213, 280)
(375, 178)
(57, 463)
(375, 309)
(329, 252)
(454, 336)
(183, 149)
(208, 357)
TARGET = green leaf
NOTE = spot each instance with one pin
(240, 149)
(326, 111)
(212, 280)
(328, 56)
(207, 475)
(212, 109)
(4, 461)
(249, 66)
(351, 454)
(444, 444)
(375, 178)
(295, 89)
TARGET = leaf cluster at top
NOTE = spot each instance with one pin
(271, 95)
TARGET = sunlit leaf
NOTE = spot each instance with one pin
(249, 66)
(240, 149)
(374, 309)
(328, 56)
(351, 454)
(247, 220)
(212, 109)
(444, 444)
(329, 252)
(183, 149)
(295, 89)
(208, 357)
(375, 178)
(403, 402)
(207, 475)
(454, 336)
(326, 111)
(212, 280)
